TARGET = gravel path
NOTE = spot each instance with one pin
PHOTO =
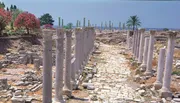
(111, 81)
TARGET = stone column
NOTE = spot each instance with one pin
(127, 39)
(78, 49)
(150, 53)
(133, 43)
(137, 44)
(160, 72)
(165, 92)
(37, 64)
(145, 53)
(59, 65)
(140, 57)
(67, 76)
(47, 66)
(73, 73)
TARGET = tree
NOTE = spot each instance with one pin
(46, 19)
(15, 7)
(5, 18)
(165, 29)
(15, 13)
(2, 5)
(11, 7)
(7, 9)
(69, 26)
(28, 21)
(134, 22)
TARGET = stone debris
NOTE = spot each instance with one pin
(109, 82)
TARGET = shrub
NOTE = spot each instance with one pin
(165, 29)
(5, 18)
(48, 26)
(28, 21)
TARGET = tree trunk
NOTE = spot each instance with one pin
(133, 29)
(27, 30)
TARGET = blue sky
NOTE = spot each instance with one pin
(153, 14)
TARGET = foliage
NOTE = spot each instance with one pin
(46, 19)
(15, 14)
(48, 26)
(28, 21)
(5, 18)
(134, 22)
(13, 8)
(2, 5)
(176, 72)
(69, 26)
(165, 29)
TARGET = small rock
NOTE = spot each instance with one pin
(91, 87)
(93, 98)
(177, 77)
(85, 85)
(176, 100)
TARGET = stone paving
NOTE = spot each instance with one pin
(111, 81)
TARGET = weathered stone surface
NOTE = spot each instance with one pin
(3, 84)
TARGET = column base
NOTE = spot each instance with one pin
(67, 92)
(58, 101)
(165, 93)
(157, 85)
(148, 73)
(139, 63)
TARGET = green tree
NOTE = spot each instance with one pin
(11, 7)
(15, 14)
(69, 26)
(134, 22)
(165, 29)
(15, 7)
(2, 5)
(46, 19)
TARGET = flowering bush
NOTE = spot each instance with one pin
(47, 26)
(5, 18)
(28, 21)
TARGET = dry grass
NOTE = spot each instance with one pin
(154, 62)
(177, 53)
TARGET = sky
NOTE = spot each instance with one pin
(152, 14)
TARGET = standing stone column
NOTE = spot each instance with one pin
(145, 53)
(81, 49)
(127, 39)
(47, 66)
(160, 72)
(67, 76)
(150, 53)
(73, 73)
(78, 49)
(140, 58)
(168, 65)
(137, 44)
(133, 42)
(59, 65)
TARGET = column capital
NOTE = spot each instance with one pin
(142, 30)
(68, 33)
(172, 33)
(60, 33)
(47, 34)
(152, 32)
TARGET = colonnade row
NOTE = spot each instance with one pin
(71, 57)
(142, 48)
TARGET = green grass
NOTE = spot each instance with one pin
(176, 72)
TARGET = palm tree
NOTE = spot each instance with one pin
(133, 22)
